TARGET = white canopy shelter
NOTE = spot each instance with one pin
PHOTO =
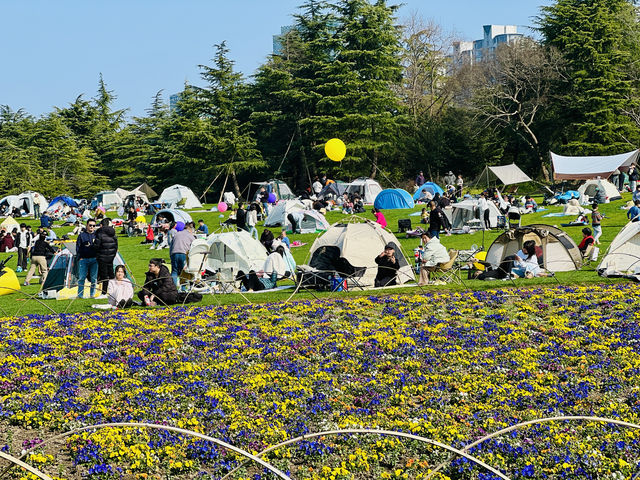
(506, 174)
(584, 168)
(179, 196)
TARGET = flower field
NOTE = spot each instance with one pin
(451, 367)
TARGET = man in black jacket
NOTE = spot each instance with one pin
(86, 257)
(241, 218)
(159, 288)
(106, 246)
(388, 267)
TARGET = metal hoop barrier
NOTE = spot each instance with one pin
(579, 418)
(154, 426)
(378, 432)
(29, 468)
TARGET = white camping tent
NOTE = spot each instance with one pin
(465, 212)
(27, 201)
(8, 203)
(584, 168)
(558, 252)
(312, 222)
(179, 196)
(359, 244)
(588, 189)
(506, 174)
(122, 193)
(172, 215)
(108, 199)
(227, 254)
(623, 256)
(367, 188)
(281, 190)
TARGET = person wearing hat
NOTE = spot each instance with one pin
(450, 178)
(388, 267)
(179, 245)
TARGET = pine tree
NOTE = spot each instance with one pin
(356, 98)
(600, 43)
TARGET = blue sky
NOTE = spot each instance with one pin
(53, 51)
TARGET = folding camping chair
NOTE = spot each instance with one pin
(448, 272)
(354, 279)
(514, 219)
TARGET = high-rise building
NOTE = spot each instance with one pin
(173, 101)
(478, 50)
(278, 45)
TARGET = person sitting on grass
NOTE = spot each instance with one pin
(120, 289)
(159, 288)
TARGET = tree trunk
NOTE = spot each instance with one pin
(302, 167)
(374, 156)
(236, 187)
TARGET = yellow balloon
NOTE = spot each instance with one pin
(335, 149)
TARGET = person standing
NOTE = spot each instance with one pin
(596, 223)
(483, 207)
(450, 178)
(39, 258)
(36, 206)
(420, 179)
(252, 221)
(459, 185)
(633, 177)
(106, 246)
(178, 247)
(23, 242)
(316, 186)
(86, 257)
(435, 220)
(241, 218)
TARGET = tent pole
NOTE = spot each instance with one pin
(207, 189)
(223, 187)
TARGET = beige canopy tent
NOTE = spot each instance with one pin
(585, 168)
(505, 174)
(146, 189)
(559, 252)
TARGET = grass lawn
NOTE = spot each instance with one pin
(137, 256)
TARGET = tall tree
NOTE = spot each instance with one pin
(513, 91)
(599, 41)
(356, 98)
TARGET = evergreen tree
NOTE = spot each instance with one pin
(356, 98)
(600, 43)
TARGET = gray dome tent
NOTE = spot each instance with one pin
(557, 251)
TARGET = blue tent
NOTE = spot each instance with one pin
(430, 187)
(393, 198)
(64, 199)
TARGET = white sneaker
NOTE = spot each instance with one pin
(102, 297)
